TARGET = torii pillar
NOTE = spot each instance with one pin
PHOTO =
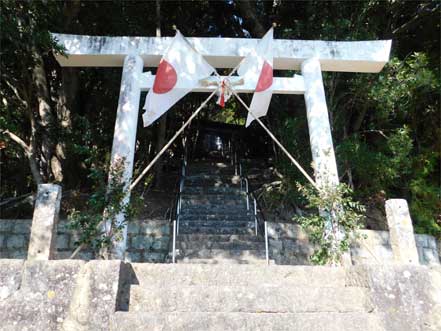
(320, 137)
(124, 138)
(312, 57)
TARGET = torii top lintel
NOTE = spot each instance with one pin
(343, 56)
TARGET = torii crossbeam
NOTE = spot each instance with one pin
(311, 57)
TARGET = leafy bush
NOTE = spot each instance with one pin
(334, 225)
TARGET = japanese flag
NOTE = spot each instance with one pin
(178, 73)
(258, 67)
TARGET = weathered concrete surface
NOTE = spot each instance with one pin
(44, 222)
(248, 299)
(95, 296)
(405, 297)
(349, 56)
(147, 240)
(237, 275)
(74, 295)
(281, 85)
(10, 277)
(124, 139)
(320, 137)
(41, 301)
(402, 238)
(259, 321)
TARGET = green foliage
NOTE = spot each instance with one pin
(332, 224)
(229, 115)
(397, 148)
(426, 196)
(385, 126)
(104, 205)
(378, 167)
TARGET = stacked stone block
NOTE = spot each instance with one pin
(148, 240)
(289, 244)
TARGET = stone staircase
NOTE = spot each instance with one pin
(215, 225)
(200, 297)
(221, 281)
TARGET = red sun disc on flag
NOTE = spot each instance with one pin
(166, 78)
(266, 77)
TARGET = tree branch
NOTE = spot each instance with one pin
(17, 140)
(424, 11)
(15, 90)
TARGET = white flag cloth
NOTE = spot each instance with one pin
(179, 71)
(258, 67)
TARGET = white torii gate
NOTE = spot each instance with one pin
(311, 57)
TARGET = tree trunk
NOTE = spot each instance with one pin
(65, 103)
(45, 115)
(248, 11)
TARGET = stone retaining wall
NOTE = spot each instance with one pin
(148, 240)
(288, 244)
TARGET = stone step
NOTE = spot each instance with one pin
(216, 217)
(216, 210)
(215, 230)
(212, 180)
(238, 275)
(187, 246)
(249, 299)
(212, 190)
(195, 238)
(221, 163)
(216, 223)
(210, 169)
(325, 321)
(225, 261)
(213, 203)
(214, 196)
(237, 254)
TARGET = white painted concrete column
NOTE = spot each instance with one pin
(320, 137)
(402, 238)
(124, 138)
(325, 166)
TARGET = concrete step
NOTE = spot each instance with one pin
(225, 261)
(238, 275)
(236, 254)
(214, 196)
(195, 238)
(186, 246)
(245, 321)
(217, 217)
(210, 170)
(216, 210)
(225, 230)
(213, 203)
(216, 223)
(249, 299)
(212, 190)
(212, 180)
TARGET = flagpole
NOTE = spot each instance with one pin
(275, 139)
(152, 163)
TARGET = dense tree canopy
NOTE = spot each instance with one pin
(56, 124)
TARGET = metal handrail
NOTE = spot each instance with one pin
(178, 204)
(263, 227)
(173, 213)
